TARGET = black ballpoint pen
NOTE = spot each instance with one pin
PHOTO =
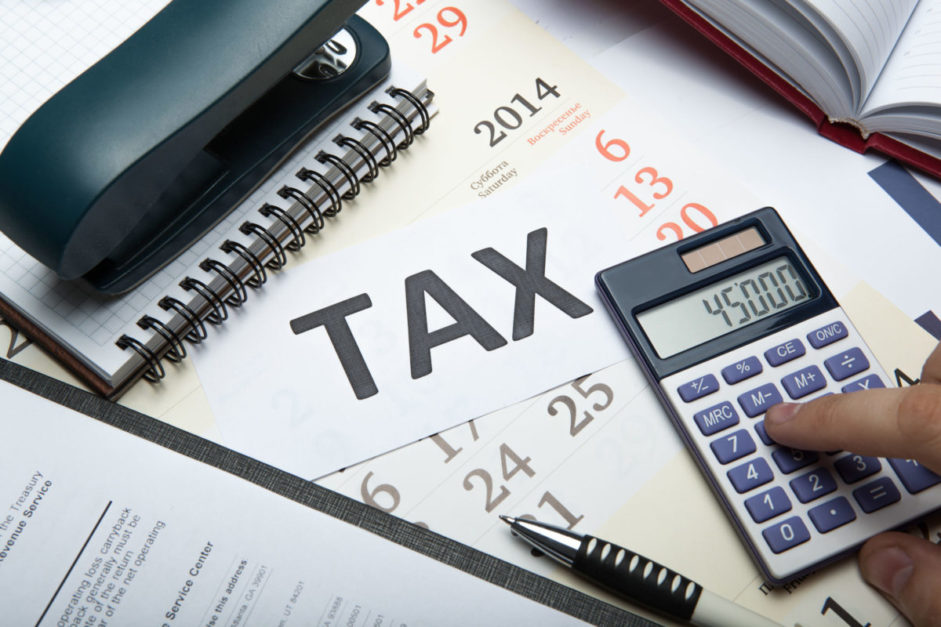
(635, 577)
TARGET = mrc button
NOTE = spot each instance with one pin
(716, 418)
(827, 335)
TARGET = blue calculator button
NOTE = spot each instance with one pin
(767, 505)
(914, 476)
(733, 446)
(783, 353)
(832, 514)
(876, 495)
(855, 468)
(757, 401)
(791, 459)
(803, 382)
(866, 383)
(716, 418)
(741, 370)
(763, 434)
(845, 365)
(750, 475)
(824, 336)
(812, 485)
(697, 388)
(786, 534)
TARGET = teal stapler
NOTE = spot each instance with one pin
(154, 144)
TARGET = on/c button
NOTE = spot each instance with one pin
(827, 335)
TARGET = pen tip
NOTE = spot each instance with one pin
(507, 519)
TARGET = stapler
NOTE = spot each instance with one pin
(144, 152)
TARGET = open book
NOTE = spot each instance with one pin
(868, 72)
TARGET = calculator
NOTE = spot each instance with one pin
(729, 322)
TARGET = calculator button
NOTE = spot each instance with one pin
(786, 534)
(845, 365)
(914, 476)
(827, 335)
(783, 353)
(750, 475)
(763, 434)
(813, 485)
(866, 383)
(697, 388)
(832, 514)
(757, 401)
(803, 382)
(741, 370)
(716, 418)
(876, 495)
(767, 505)
(855, 468)
(733, 446)
(791, 459)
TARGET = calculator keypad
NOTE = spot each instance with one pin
(824, 495)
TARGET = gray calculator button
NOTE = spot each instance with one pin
(741, 370)
(750, 475)
(803, 382)
(786, 534)
(845, 365)
(767, 505)
(757, 401)
(914, 476)
(832, 514)
(855, 468)
(783, 353)
(876, 495)
(791, 459)
(697, 388)
(732, 446)
(813, 485)
(866, 383)
(824, 336)
(716, 418)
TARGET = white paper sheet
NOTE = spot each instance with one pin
(98, 527)
(283, 395)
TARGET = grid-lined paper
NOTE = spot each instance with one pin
(44, 44)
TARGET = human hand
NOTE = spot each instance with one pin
(904, 423)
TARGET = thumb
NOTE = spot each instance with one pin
(908, 571)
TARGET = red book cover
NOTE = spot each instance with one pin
(843, 134)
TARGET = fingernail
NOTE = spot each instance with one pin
(889, 570)
(781, 413)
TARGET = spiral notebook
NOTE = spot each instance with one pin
(111, 342)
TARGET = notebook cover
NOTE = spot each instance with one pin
(843, 134)
(62, 354)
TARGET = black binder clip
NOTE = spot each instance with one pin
(138, 157)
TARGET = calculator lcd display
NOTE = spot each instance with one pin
(724, 306)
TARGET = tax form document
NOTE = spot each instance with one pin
(99, 527)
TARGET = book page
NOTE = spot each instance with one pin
(98, 527)
(789, 45)
(912, 76)
(869, 28)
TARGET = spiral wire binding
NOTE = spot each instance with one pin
(286, 231)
